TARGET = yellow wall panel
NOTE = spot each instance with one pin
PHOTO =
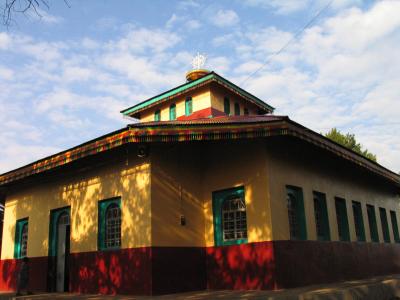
(82, 192)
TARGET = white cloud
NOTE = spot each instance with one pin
(225, 18)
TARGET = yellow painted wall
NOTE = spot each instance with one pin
(199, 170)
(201, 99)
(129, 179)
(290, 164)
(217, 99)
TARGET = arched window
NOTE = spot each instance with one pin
(113, 226)
(188, 106)
(172, 112)
(157, 115)
(227, 106)
(237, 109)
(234, 225)
(24, 241)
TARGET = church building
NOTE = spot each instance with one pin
(207, 190)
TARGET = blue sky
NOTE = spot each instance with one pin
(64, 77)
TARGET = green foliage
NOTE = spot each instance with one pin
(349, 141)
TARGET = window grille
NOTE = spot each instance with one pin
(24, 241)
(113, 226)
(234, 222)
(292, 214)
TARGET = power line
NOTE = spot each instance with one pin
(298, 33)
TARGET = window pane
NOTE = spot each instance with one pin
(227, 106)
(341, 217)
(234, 225)
(296, 213)
(157, 115)
(188, 106)
(237, 109)
(24, 241)
(373, 228)
(172, 112)
(113, 226)
(358, 221)
(321, 216)
(385, 226)
(394, 226)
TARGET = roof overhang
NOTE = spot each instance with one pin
(210, 129)
(191, 85)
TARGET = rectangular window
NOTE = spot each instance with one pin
(321, 217)
(395, 228)
(188, 106)
(157, 115)
(384, 223)
(227, 106)
(373, 228)
(21, 238)
(237, 109)
(109, 224)
(341, 218)
(358, 221)
(172, 112)
(296, 213)
(230, 220)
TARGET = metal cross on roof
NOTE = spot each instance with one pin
(199, 61)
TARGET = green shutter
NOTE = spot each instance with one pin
(320, 204)
(18, 236)
(358, 221)
(188, 106)
(394, 226)
(342, 221)
(218, 198)
(385, 226)
(172, 112)
(54, 214)
(102, 208)
(227, 106)
(373, 228)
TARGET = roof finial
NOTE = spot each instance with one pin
(198, 63)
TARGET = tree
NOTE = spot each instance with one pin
(11, 7)
(348, 140)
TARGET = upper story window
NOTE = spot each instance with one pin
(230, 220)
(110, 224)
(188, 106)
(237, 109)
(395, 228)
(384, 223)
(321, 217)
(246, 111)
(227, 106)
(157, 115)
(172, 112)
(21, 239)
(373, 228)
(296, 213)
(341, 218)
(358, 221)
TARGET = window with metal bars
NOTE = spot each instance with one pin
(384, 224)
(321, 217)
(373, 228)
(234, 224)
(110, 224)
(395, 228)
(341, 218)
(358, 221)
(230, 220)
(21, 239)
(296, 213)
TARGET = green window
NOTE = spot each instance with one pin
(57, 216)
(321, 217)
(227, 106)
(157, 115)
(109, 224)
(230, 220)
(21, 239)
(358, 221)
(395, 228)
(384, 223)
(296, 213)
(188, 106)
(237, 109)
(341, 218)
(373, 228)
(246, 111)
(172, 112)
